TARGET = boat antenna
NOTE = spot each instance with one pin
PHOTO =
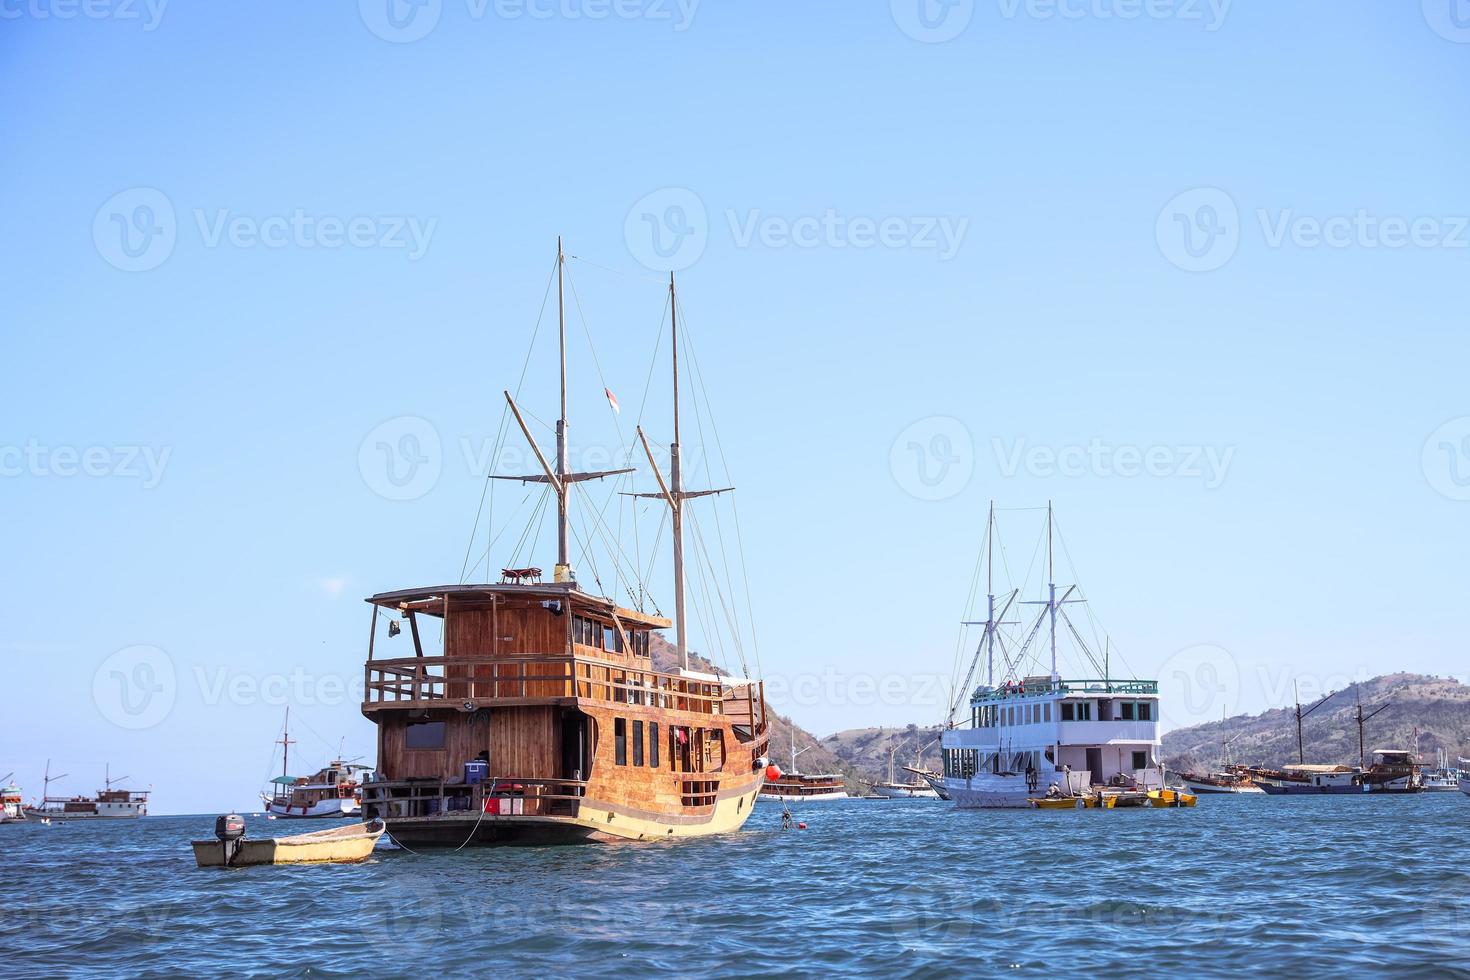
(672, 492)
(560, 478)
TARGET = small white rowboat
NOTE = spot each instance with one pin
(337, 845)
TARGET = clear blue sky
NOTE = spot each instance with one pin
(1066, 149)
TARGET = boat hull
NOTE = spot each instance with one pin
(596, 822)
(901, 792)
(341, 845)
(322, 809)
(33, 813)
(803, 797)
(1305, 789)
(1248, 789)
(999, 791)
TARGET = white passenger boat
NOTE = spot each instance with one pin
(11, 810)
(1223, 782)
(333, 791)
(1029, 733)
(1443, 778)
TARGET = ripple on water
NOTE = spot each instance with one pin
(902, 888)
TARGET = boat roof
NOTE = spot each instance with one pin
(555, 590)
(1313, 767)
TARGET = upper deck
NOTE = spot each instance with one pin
(1040, 711)
(528, 644)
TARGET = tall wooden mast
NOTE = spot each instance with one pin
(676, 486)
(563, 571)
(285, 743)
(673, 492)
(558, 476)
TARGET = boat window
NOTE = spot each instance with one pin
(637, 743)
(653, 742)
(1145, 711)
(1125, 712)
(1084, 710)
(1069, 711)
(424, 735)
(1140, 760)
(620, 741)
(1046, 712)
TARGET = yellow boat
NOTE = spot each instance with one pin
(1170, 798)
(1054, 802)
(354, 842)
(1100, 801)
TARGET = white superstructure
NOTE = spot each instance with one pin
(1027, 734)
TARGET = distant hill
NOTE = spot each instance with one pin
(865, 750)
(1437, 707)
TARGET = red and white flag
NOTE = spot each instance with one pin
(613, 401)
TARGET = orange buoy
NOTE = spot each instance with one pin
(801, 826)
(773, 773)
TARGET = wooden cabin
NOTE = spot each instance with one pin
(527, 712)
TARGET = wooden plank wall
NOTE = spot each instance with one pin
(522, 741)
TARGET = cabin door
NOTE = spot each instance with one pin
(575, 750)
(1094, 763)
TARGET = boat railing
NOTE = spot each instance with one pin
(414, 682)
(1103, 686)
(501, 795)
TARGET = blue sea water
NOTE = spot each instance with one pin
(1318, 886)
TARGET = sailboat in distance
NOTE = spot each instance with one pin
(541, 717)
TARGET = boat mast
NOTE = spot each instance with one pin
(673, 492)
(557, 474)
(1301, 748)
(676, 488)
(285, 743)
(563, 572)
(990, 588)
(1051, 593)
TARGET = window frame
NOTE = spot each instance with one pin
(443, 729)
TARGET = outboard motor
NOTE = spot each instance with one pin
(229, 830)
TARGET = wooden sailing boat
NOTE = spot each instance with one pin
(543, 719)
(915, 789)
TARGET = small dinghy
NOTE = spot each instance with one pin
(231, 849)
(1054, 802)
